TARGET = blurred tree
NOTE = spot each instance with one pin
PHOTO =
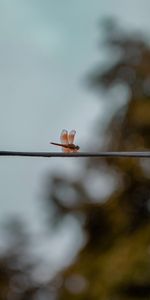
(17, 266)
(115, 262)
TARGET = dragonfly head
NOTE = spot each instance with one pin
(77, 147)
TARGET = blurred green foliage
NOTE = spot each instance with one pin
(115, 262)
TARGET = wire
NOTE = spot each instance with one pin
(134, 154)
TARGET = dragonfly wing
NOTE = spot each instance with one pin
(71, 136)
(64, 140)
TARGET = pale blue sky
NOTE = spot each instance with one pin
(46, 49)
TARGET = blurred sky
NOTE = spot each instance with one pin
(47, 47)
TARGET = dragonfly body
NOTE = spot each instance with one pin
(67, 140)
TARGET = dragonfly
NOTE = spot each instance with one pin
(67, 141)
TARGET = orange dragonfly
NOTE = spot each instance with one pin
(67, 140)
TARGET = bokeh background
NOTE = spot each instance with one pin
(74, 228)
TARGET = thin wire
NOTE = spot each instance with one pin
(134, 154)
